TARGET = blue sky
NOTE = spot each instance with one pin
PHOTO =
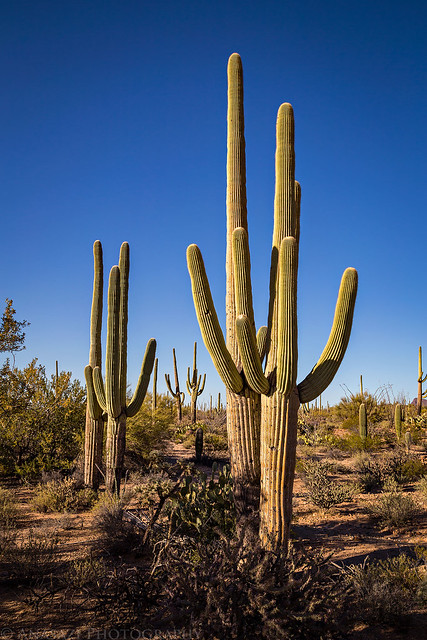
(113, 127)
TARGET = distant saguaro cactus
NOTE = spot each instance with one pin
(111, 398)
(94, 430)
(363, 422)
(193, 386)
(421, 381)
(262, 406)
(398, 421)
(154, 394)
(177, 394)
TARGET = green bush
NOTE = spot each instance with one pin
(8, 509)
(393, 509)
(145, 432)
(324, 490)
(63, 495)
(373, 472)
(387, 590)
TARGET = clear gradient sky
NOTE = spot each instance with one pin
(113, 127)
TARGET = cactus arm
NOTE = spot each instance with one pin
(297, 210)
(208, 322)
(201, 389)
(95, 411)
(261, 340)
(123, 318)
(325, 369)
(287, 348)
(112, 358)
(144, 378)
(421, 379)
(188, 381)
(242, 274)
(96, 311)
(99, 388)
(168, 384)
(250, 356)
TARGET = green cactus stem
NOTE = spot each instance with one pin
(194, 388)
(111, 398)
(408, 441)
(154, 394)
(262, 403)
(398, 421)
(363, 422)
(361, 386)
(94, 429)
(421, 381)
(177, 394)
(199, 444)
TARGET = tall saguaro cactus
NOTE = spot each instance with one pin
(264, 443)
(194, 388)
(94, 430)
(421, 381)
(111, 398)
(177, 394)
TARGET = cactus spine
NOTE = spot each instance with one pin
(177, 394)
(264, 444)
(94, 430)
(398, 421)
(421, 380)
(363, 422)
(193, 386)
(111, 398)
(199, 444)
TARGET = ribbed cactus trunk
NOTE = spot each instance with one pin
(363, 422)
(115, 452)
(243, 408)
(194, 386)
(177, 394)
(398, 421)
(421, 381)
(94, 430)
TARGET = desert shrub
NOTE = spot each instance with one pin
(422, 487)
(354, 442)
(417, 426)
(117, 534)
(85, 572)
(373, 472)
(214, 442)
(145, 432)
(8, 509)
(393, 509)
(324, 490)
(230, 591)
(63, 495)
(204, 506)
(347, 410)
(30, 557)
(385, 591)
(413, 468)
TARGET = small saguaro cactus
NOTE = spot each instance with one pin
(199, 444)
(177, 394)
(408, 441)
(111, 398)
(421, 381)
(398, 421)
(94, 430)
(363, 422)
(361, 386)
(262, 404)
(193, 386)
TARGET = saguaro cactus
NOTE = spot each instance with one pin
(177, 394)
(421, 381)
(154, 394)
(240, 362)
(363, 422)
(398, 421)
(94, 430)
(111, 398)
(193, 386)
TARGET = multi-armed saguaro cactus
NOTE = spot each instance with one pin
(421, 380)
(177, 394)
(193, 386)
(111, 398)
(94, 431)
(264, 443)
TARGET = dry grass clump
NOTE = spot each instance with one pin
(63, 495)
(8, 509)
(323, 489)
(393, 509)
